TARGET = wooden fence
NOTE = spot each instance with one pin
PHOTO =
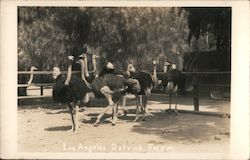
(194, 76)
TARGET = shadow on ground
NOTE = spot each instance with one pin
(58, 128)
(184, 128)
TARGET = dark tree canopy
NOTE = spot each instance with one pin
(47, 35)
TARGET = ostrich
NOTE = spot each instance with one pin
(146, 82)
(22, 91)
(172, 80)
(112, 87)
(70, 91)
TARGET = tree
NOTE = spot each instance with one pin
(46, 35)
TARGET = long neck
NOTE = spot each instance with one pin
(165, 68)
(128, 71)
(154, 72)
(31, 76)
(83, 69)
(154, 76)
(94, 65)
(86, 67)
(69, 73)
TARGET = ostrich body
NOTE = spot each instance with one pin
(113, 88)
(69, 90)
(173, 79)
(22, 91)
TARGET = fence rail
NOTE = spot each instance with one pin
(194, 76)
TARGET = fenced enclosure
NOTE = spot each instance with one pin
(204, 85)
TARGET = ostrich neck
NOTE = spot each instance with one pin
(94, 65)
(154, 71)
(128, 72)
(31, 77)
(69, 73)
(83, 71)
(165, 69)
(86, 67)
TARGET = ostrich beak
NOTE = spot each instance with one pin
(82, 56)
(71, 58)
(33, 68)
(95, 56)
(79, 61)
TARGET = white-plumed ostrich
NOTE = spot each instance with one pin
(113, 88)
(173, 79)
(69, 90)
(22, 91)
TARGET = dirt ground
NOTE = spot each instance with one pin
(43, 128)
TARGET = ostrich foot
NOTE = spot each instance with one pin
(136, 119)
(117, 120)
(125, 112)
(122, 113)
(168, 111)
(76, 131)
(71, 130)
(143, 119)
(148, 114)
(96, 123)
(176, 112)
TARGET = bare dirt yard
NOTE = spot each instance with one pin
(43, 128)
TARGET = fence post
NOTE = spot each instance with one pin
(41, 90)
(196, 97)
(41, 78)
(196, 92)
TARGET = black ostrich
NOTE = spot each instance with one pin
(146, 83)
(113, 88)
(173, 80)
(23, 79)
(69, 90)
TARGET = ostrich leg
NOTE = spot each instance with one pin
(101, 114)
(71, 110)
(144, 102)
(123, 103)
(107, 93)
(138, 104)
(77, 117)
(114, 114)
(170, 102)
(174, 99)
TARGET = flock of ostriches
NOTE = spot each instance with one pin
(113, 85)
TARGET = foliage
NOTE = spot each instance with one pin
(47, 35)
(213, 21)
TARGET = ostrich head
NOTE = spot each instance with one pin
(131, 68)
(173, 66)
(33, 68)
(82, 56)
(82, 59)
(56, 72)
(95, 56)
(154, 62)
(109, 66)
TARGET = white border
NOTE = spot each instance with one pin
(240, 79)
